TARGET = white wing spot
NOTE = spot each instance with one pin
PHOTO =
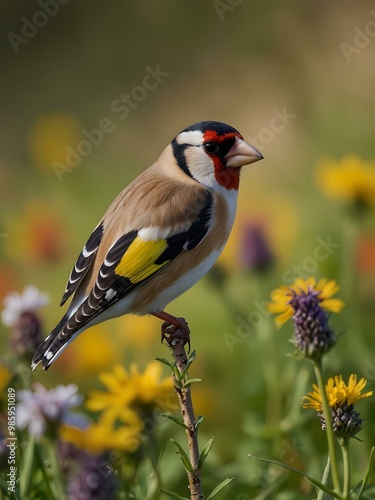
(110, 293)
(108, 263)
(85, 253)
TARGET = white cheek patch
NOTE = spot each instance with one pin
(193, 137)
(201, 166)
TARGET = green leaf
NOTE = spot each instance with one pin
(53, 470)
(191, 358)
(184, 458)
(300, 473)
(191, 381)
(198, 421)
(175, 419)
(324, 478)
(173, 495)
(367, 473)
(172, 366)
(8, 494)
(27, 468)
(204, 453)
(219, 487)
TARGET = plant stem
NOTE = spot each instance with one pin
(187, 412)
(324, 479)
(328, 422)
(54, 470)
(344, 443)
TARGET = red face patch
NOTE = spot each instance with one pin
(228, 177)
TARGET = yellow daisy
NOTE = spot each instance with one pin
(338, 393)
(350, 178)
(345, 420)
(280, 297)
(131, 394)
(102, 436)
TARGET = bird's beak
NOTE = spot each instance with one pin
(242, 153)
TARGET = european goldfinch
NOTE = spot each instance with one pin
(160, 235)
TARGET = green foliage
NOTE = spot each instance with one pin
(258, 58)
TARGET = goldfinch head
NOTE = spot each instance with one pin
(213, 153)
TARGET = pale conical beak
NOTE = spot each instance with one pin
(242, 153)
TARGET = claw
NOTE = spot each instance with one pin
(173, 329)
(174, 333)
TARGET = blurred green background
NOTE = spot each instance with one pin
(243, 63)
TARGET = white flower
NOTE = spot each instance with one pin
(17, 303)
(37, 409)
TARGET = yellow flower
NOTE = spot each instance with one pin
(102, 436)
(137, 331)
(131, 394)
(345, 420)
(281, 296)
(50, 136)
(338, 393)
(351, 179)
(90, 353)
(5, 376)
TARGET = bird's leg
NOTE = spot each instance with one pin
(173, 329)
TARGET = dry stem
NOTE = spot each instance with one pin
(187, 412)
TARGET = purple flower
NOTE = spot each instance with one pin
(94, 479)
(18, 303)
(255, 251)
(314, 337)
(20, 315)
(44, 410)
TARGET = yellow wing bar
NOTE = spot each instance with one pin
(138, 262)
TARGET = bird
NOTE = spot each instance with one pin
(159, 236)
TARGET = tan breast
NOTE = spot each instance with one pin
(213, 242)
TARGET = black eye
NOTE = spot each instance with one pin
(211, 147)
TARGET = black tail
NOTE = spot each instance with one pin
(46, 352)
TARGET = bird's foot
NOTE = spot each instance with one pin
(178, 332)
(173, 330)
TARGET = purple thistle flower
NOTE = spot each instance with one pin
(255, 251)
(17, 303)
(94, 479)
(25, 335)
(314, 337)
(69, 455)
(346, 422)
(20, 315)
